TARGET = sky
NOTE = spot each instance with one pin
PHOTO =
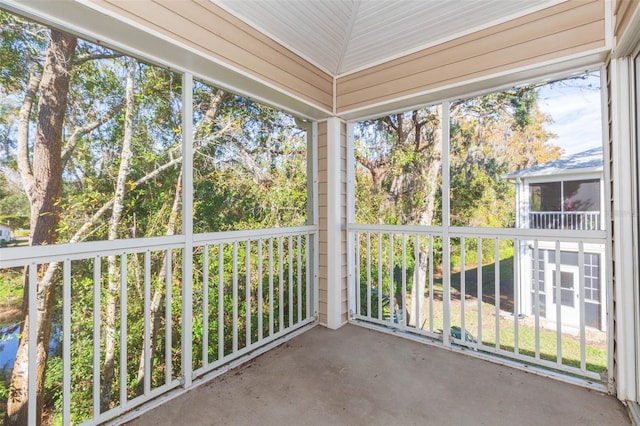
(575, 106)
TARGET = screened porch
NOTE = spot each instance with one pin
(228, 212)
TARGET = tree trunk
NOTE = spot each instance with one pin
(426, 219)
(113, 290)
(158, 294)
(42, 182)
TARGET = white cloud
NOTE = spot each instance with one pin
(575, 107)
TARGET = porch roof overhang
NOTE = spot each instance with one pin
(171, 34)
(585, 162)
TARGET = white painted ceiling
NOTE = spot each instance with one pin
(343, 36)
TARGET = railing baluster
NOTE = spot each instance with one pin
(280, 285)
(536, 283)
(380, 276)
(96, 335)
(418, 299)
(403, 307)
(479, 292)
(271, 319)
(358, 301)
(220, 301)
(516, 299)
(66, 343)
(431, 285)
(147, 322)
(369, 274)
(299, 283)
(260, 297)
(307, 258)
(496, 283)
(33, 347)
(558, 293)
(168, 315)
(247, 296)
(124, 287)
(290, 281)
(463, 290)
(582, 306)
(205, 305)
(235, 298)
(391, 283)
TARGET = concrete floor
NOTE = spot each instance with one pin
(358, 376)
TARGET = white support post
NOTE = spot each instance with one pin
(315, 260)
(352, 282)
(334, 225)
(446, 223)
(187, 227)
(623, 226)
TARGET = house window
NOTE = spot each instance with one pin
(592, 289)
(567, 289)
(571, 204)
(538, 280)
(581, 195)
(546, 197)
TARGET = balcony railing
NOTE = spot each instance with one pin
(572, 220)
(176, 309)
(474, 288)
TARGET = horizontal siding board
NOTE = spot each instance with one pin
(535, 51)
(242, 56)
(162, 18)
(491, 42)
(465, 77)
(266, 40)
(564, 8)
(322, 221)
(552, 33)
(220, 23)
(624, 11)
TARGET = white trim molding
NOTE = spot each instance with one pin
(626, 373)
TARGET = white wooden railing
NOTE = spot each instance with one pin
(469, 304)
(244, 290)
(585, 221)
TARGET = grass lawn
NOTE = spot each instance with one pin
(595, 349)
(596, 342)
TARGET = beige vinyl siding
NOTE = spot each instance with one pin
(322, 222)
(566, 29)
(323, 274)
(624, 10)
(343, 219)
(209, 29)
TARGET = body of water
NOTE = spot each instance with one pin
(10, 339)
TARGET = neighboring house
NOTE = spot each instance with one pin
(563, 194)
(5, 232)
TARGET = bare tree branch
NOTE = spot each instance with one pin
(24, 164)
(86, 129)
(81, 59)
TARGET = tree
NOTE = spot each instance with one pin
(113, 287)
(399, 158)
(42, 181)
(114, 161)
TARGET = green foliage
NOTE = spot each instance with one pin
(11, 291)
(398, 177)
(251, 172)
